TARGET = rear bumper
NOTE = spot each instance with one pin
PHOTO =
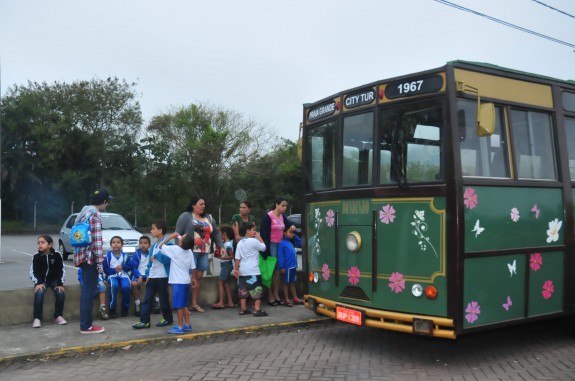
(389, 320)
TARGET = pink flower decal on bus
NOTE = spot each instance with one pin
(535, 261)
(353, 275)
(470, 198)
(387, 214)
(548, 289)
(536, 210)
(514, 214)
(325, 272)
(330, 218)
(473, 310)
(396, 282)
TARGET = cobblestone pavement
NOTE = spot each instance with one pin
(327, 351)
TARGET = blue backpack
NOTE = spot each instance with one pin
(80, 233)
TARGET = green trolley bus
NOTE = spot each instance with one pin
(441, 203)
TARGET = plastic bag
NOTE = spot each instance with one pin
(267, 267)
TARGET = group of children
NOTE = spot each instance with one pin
(158, 265)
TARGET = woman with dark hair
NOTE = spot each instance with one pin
(202, 226)
(272, 231)
(243, 217)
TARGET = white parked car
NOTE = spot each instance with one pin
(112, 225)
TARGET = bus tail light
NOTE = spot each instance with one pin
(313, 277)
(431, 292)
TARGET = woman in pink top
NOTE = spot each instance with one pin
(271, 231)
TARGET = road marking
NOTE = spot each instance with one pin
(31, 255)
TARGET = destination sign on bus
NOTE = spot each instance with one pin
(411, 87)
(321, 111)
(361, 98)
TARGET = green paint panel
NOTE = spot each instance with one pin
(546, 285)
(410, 244)
(492, 284)
(489, 223)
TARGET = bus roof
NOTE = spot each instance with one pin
(501, 68)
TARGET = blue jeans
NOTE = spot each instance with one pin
(39, 300)
(89, 290)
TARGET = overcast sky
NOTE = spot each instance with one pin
(265, 58)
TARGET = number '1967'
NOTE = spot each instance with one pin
(408, 87)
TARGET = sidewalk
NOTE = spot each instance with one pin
(23, 341)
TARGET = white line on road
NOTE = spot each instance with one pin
(31, 255)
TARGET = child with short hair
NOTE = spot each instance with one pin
(287, 264)
(47, 271)
(117, 268)
(247, 268)
(181, 265)
(140, 260)
(157, 273)
(226, 268)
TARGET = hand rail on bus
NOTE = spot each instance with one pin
(374, 250)
(336, 249)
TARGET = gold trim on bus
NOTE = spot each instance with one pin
(389, 320)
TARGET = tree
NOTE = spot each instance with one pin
(57, 141)
(205, 143)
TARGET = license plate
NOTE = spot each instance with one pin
(349, 315)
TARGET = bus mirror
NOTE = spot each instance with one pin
(485, 119)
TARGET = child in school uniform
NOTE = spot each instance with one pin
(226, 266)
(181, 265)
(117, 268)
(157, 273)
(287, 264)
(247, 269)
(139, 264)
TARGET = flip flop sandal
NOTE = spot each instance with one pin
(260, 313)
(217, 307)
(244, 312)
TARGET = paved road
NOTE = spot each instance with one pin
(16, 257)
(330, 351)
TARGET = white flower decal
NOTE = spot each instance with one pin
(553, 232)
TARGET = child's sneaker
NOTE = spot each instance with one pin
(93, 329)
(187, 328)
(103, 313)
(163, 323)
(176, 330)
(60, 320)
(37, 323)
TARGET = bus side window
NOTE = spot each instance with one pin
(481, 156)
(533, 145)
(570, 131)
